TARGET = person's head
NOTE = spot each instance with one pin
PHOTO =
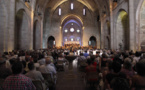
(47, 60)
(89, 61)
(17, 67)
(104, 55)
(31, 66)
(93, 58)
(137, 54)
(81, 54)
(116, 66)
(60, 55)
(119, 84)
(127, 63)
(140, 67)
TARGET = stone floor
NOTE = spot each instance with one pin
(71, 78)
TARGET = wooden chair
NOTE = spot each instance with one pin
(38, 84)
(49, 78)
(92, 78)
(60, 65)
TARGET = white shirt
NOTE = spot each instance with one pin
(51, 69)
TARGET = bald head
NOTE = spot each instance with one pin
(48, 60)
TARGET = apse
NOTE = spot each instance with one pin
(72, 32)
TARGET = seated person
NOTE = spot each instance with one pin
(86, 54)
(4, 71)
(91, 69)
(17, 81)
(138, 81)
(116, 67)
(82, 60)
(120, 84)
(35, 75)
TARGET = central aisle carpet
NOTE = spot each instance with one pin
(71, 78)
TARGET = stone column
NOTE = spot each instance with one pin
(102, 33)
(111, 26)
(132, 25)
(10, 26)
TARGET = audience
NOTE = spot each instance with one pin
(116, 70)
(18, 81)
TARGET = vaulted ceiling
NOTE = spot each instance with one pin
(93, 5)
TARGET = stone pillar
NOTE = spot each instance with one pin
(111, 26)
(132, 25)
(10, 26)
(102, 33)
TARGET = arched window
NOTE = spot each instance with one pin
(59, 11)
(84, 11)
(72, 6)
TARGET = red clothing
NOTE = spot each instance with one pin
(91, 68)
(18, 82)
(95, 64)
(91, 73)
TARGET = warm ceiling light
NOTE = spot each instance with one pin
(78, 30)
(66, 30)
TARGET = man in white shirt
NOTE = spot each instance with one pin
(49, 67)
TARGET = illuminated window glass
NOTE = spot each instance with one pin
(59, 12)
(72, 39)
(65, 30)
(66, 39)
(84, 11)
(72, 30)
(78, 30)
(72, 6)
(78, 39)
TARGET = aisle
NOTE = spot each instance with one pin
(70, 79)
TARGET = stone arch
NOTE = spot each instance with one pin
(51, 40)
(66, 24)
(36, 35)
(93, 41)
(22, 32)
(122, 30)
(2, 27)
(140, 25)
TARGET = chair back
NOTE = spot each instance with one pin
(92, 76)
(60, 62)
(48, 77)
(38, 84)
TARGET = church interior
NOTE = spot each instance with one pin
(72, 44)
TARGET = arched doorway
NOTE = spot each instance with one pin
(93, 41)
(72, 30)
(36, 35)
(22, 33)
(140, 28)
(51, 42)
(2, 27)
(122, 31)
